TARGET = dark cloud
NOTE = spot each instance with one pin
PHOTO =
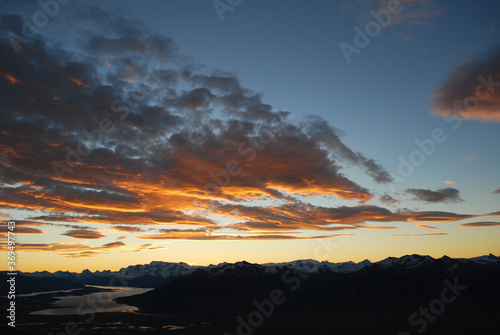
(292, 217)
(113, 245)
(448, 194)
(84, 234)
(106, 122)
(109, 138)
(387, 199)
(18, 230)
(60, 217)
(472, 90)
(322, 132)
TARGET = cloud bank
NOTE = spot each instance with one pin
(105, 122)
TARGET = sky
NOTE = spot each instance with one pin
(267, 131)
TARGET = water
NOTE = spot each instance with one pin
(94, 302)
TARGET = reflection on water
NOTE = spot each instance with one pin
(45, 292)
(94, 302)
(172, 327)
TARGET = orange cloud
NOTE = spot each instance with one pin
(68, 248)
(190, 234)
(144, 161)
(480, 224)
(83, 254)
(471, 91)
(426, 226)
(375, 227)
(436, 217)
(143, 247)
(13, 80)
(53, 247)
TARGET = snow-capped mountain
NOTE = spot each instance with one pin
(313, 266)
(157, 269)
(158, 273)
(408, 261)
(392, 285)
(490, 259)
(143, 275)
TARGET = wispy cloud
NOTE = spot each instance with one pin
(419, 235)
(414, 12)
(480, 224)
(412, 17)
(5, 215)
(426, 226)
(144, 247)
(200, 235)
(69, 249)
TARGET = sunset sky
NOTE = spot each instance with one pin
(265, 131)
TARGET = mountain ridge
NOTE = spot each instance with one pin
(156, 267)
(390, 286)
(158, 273)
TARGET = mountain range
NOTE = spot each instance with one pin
(159, 273)
(229, 283)
(412, 293)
